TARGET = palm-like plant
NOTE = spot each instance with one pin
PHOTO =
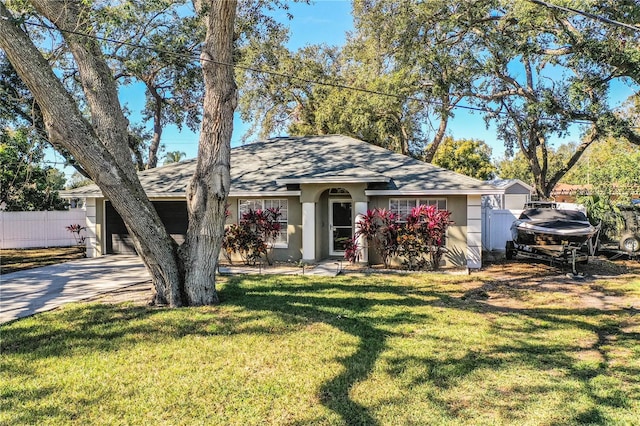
(174, 157)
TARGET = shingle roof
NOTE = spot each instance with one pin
(506, 183)
(270, 165)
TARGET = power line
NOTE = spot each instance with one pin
(196, 56)
(587, 14)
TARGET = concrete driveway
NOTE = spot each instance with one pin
(28, 292)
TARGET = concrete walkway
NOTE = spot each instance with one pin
(28, 292)
(325, 268)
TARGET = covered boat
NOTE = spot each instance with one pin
(546, 225)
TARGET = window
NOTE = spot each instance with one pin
(245, 205)
(440, 203)
(338, 191)
(402, 206)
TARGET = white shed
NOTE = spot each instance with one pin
(516, 194)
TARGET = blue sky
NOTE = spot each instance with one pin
(324, 22)
(321, 22)
(327, 22)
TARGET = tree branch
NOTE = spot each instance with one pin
(96, 78)
(593, 136)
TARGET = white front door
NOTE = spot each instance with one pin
(340, 225)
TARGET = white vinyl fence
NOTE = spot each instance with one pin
(39, 229)
(496, 228)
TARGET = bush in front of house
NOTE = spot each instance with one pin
(418, 240)
(76, 229)
(380, 228)
(422, 237)
(253, 237)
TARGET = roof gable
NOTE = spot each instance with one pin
(510, 183)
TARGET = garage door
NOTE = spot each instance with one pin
(172, 213)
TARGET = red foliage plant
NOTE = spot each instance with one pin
(76, 229)
(380, 228)
(253, 236)
(423, 237)
(419, 240)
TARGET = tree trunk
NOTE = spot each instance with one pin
(208, 189)
(442, 128)
(437, 140)
(101, 147)
(107, 118)
(157, 125)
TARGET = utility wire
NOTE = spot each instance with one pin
(587, 14)
(195, 56)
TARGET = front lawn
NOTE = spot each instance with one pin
(12, 260)
(377, 350)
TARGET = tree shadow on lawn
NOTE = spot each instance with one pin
(111, 327)
(13, 399)
(444, 372)
(98, 327)
(605, 382)
(347, 314)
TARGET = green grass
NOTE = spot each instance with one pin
(380, 350)
(13, 260)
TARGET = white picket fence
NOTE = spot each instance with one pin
(39, 229)
(496, 228)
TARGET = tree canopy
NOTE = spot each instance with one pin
(403, 81)
(470, 157)
(159, 41)
(25, 183)
(517, 166)
(543, 80)
(610, 169)
(536, 73)
(20, 111)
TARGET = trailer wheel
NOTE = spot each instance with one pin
(630, 243)
(510, 250)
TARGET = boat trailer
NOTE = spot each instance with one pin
(564, 254)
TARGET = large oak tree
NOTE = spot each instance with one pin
(99, 140)
(536, 73)
(397, 48)
(542, 80)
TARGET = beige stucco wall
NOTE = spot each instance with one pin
(456, 234)
(294, 230)
(94, 223)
